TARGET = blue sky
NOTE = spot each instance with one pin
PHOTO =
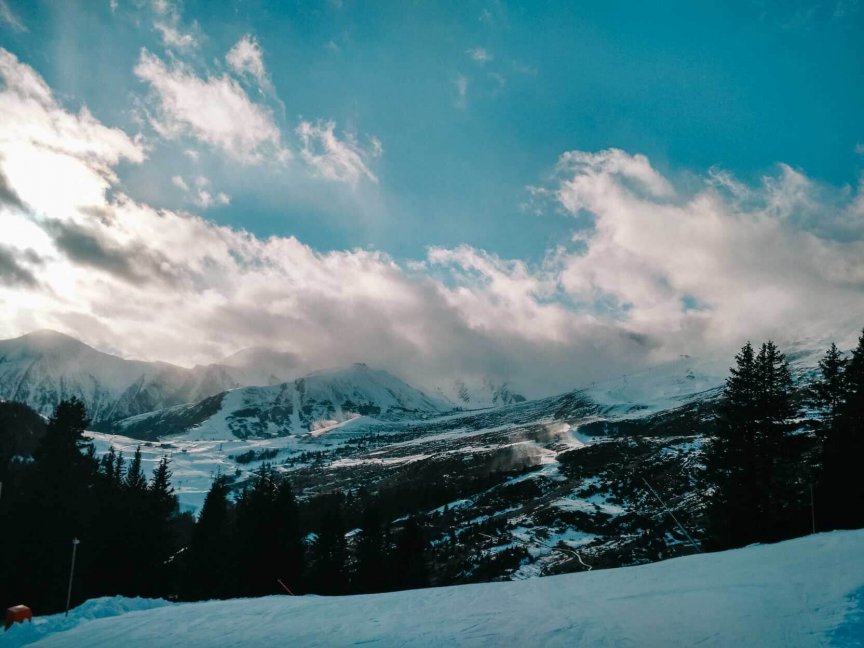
(543, 193)
(740, 85)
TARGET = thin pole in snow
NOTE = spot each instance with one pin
(75, 543)
(672, 515)
(284, 586)
(812, 510)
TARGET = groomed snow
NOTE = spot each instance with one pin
(805, 592)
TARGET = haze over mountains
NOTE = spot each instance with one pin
(261, 393)
(44, 367)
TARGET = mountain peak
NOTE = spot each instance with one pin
(48, 338)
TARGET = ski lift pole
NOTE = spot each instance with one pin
(75, 543)
(812, 510)
(695, 545)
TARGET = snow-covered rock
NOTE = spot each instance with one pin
(42, 368)
(478, 394)
(804, 592)
(315, 402)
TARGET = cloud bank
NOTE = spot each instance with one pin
(661, 269)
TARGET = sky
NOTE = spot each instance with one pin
(543, 193)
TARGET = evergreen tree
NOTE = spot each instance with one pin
(372, 570)
(828, 392)
(758, 482)
(135, 479)
(841, 492)
(409, 559)
(733, 514)
(289, 550)
(327, 569)
(204, 574)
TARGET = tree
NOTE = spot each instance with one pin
(732, 512)
(757, 481)
(135, 480)
(828, 392)
(409, 559)
(841, 489)
(267, 541)
(204, 574)
(327, 569)
(371, 574)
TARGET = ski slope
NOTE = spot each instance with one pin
(804, 592)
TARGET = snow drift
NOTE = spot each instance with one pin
(804, 592)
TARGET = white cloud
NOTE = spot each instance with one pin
(479, 55)
(200, 194)
(8, 17)
(212, 109)
(461, 83)
(246, 57)
(333, 158)
(168, 24)
(754, 261)
(617, 298)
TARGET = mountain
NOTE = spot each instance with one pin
(466, 394)
(42, 368)
(263, 366)
(803, 592)
(319, 400)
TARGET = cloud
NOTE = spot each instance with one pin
(479, 55)
(661, 269)
(214, 110)
(330, 157)
(8, 197)
(754, 259)
(13, 272)
(246, 57)
(168, 24)
(461, 83)
(199, 194)
(8, 17)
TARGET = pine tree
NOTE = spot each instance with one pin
(289, 555)
(732, 513)
(782, 478)
(828, 392)
(758, 484)
(372, 572)
(135, 480)
(327, 570)
(409, 559)
(204, 574)
(841, 500)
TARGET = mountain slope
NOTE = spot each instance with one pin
(42, 368)
(318, 400)
(804, 592)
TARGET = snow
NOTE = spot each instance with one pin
(317, 403)
(804, 592)
(661, 387)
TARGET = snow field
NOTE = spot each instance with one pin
(803, 592)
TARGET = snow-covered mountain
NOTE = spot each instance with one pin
(42, 368)
(803, 592)
(263, 366)
(478, 394)
(318, 400)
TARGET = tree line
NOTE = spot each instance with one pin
(136, 542)
(783, 462)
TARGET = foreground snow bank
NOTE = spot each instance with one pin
(805, 592)
(107, 606)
